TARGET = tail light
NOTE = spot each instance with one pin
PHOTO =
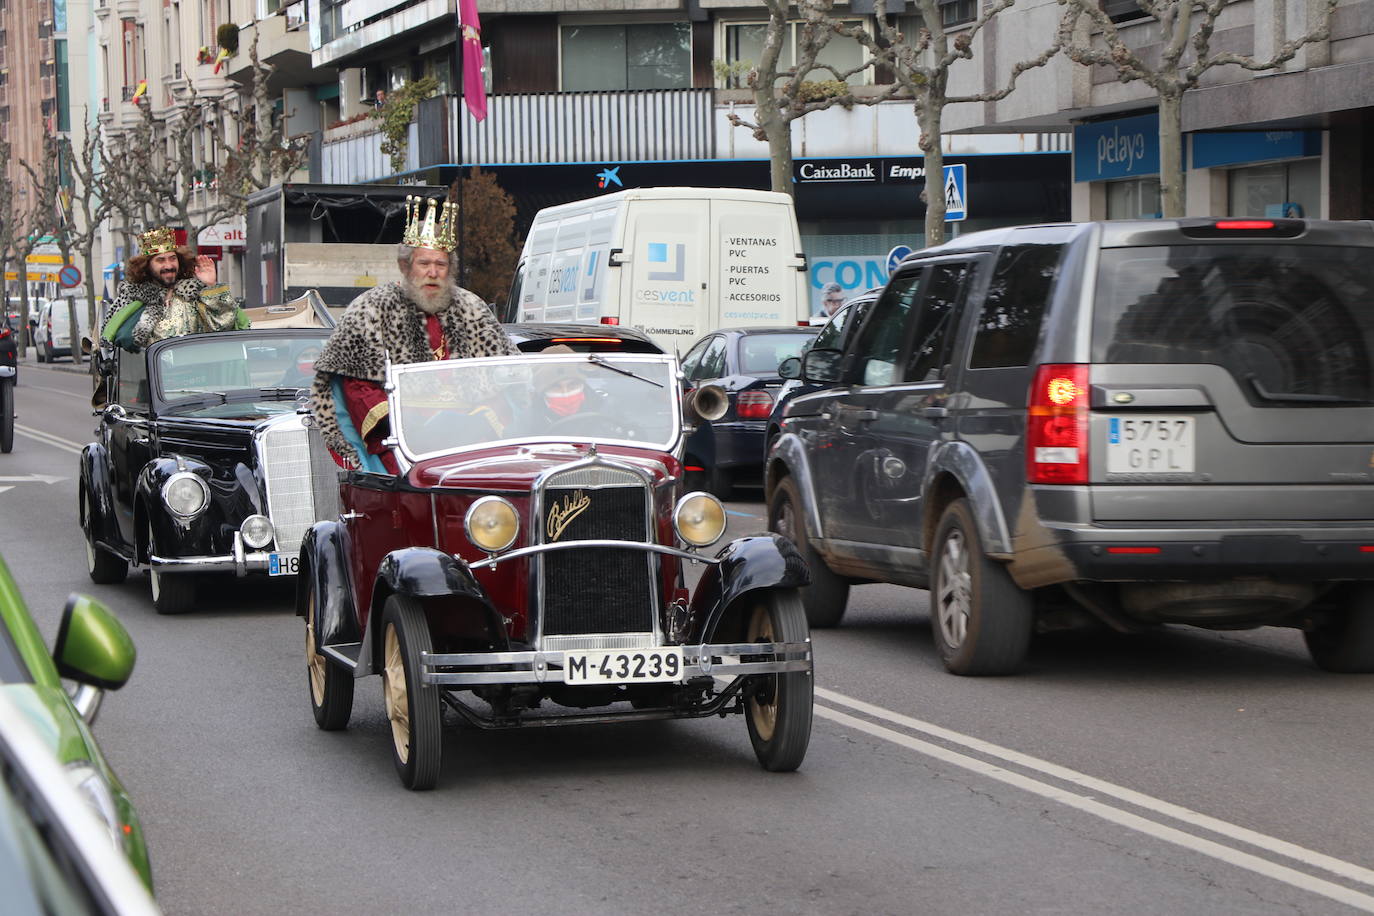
(1057, 425)
(753, 405)
(5, 332)
(609, 319)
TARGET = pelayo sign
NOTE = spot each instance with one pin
(1124, 148)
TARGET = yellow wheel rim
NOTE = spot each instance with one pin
(764, 715)
(313, 660)
(397, 698)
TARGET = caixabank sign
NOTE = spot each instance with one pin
(878, 170)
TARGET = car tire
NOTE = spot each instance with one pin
(6, 417)
(38, 353)
(825, 598)
(778, 707)
(1344, 642)
(980, 618)
(330, 686)
(47, 350)
(412, 708)
(173, 593)
(103, 567)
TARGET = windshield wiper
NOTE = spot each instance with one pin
(1297, 397)
(209, 399)
(592, 357)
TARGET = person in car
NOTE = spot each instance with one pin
(167, 292)
(424, 316)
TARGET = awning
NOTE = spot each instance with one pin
(110, 267)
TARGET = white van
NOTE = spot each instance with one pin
(53, 335)
(673, 262)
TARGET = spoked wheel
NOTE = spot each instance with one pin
(6, 416)
(981, 619)
(412, 707)
(103, 567)
(778, 712)
(825, 598)
(173, 593)
(331, 687)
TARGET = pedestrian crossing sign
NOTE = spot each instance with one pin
(956, 193)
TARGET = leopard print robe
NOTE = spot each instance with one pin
(384, 323)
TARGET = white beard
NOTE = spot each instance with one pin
(431, 302)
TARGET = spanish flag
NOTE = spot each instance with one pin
(142, 88)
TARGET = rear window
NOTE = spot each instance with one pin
(759, 354)
(1292, 324)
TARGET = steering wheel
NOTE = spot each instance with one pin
(593, 419)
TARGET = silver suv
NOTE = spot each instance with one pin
(1134, 423)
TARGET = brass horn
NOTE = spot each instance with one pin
(709, 402)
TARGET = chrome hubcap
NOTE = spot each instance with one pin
(397, 698)
(954, 598)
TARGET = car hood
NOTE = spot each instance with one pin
(517, 468)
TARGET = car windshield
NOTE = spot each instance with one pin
(448, 406)
(1291, 323)
(759, 354)
(203, 368)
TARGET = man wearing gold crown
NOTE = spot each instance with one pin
(176, 291)
(424, 316)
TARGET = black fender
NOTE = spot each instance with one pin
(95, 483)
(423, 572)
(324, 570)
(173, 537)
(746, 564)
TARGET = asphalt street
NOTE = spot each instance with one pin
(1178, 772)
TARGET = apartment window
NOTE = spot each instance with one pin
(609, 57)
(957, 12)
(744, 47)
(1122, 10)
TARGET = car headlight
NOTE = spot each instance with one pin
(491, 523)
(699, 519)
(95, 791)
(185, 494)
(257, 531)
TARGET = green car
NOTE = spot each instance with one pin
(94, 650)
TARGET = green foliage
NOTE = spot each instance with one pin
(396, 115)
(731, 75)
(819, 90)
(227, 37)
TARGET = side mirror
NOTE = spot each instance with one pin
(790, 367)
(821, 365)
(93, 649)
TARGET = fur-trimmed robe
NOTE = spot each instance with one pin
(384, 323)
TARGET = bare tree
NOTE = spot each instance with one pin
(34, 220)
(1184, 51)
(6, 221)
(82, 211)
(784, 94)
(921, 66)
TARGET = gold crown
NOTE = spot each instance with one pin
(157, 241)
(425, 228)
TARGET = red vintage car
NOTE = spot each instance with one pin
(537, 562)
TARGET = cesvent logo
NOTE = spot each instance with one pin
(674, 269)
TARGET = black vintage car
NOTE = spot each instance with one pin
(201, 466)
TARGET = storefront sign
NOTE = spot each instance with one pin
(1211, 150)
(909, 170)
(230, 232)
(1124, 148)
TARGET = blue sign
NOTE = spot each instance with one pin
(894, 257)
(1124, 148)
(69, 276)
(1236, 147)
(956, 193)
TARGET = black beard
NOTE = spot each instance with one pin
(167, 283)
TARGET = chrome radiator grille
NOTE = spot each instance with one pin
(596, 590)
(284, 460)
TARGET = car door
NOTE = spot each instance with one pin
(705, 361)
(910, 417)
(844, 441)
(127, 429)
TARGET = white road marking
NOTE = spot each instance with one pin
(3, 489)
(1107, 812)
(48, 439)
(33, 478)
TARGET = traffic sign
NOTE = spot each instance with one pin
(894, 257)
(956, 193)
(69, 276)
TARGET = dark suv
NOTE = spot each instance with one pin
(1135, 422)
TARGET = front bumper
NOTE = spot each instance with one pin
(474, 669)
(241, 562)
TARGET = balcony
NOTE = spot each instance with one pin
(286, 49)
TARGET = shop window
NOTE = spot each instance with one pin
(1280, 189)
(744, 47)
(1135, 198)
(615, 57)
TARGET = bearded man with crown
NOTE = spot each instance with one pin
(172, 292)
(423, 316)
